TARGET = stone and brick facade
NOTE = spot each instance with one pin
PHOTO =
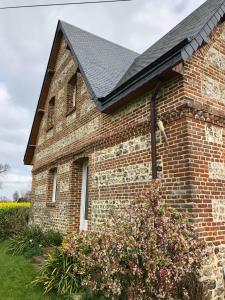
(117, 147)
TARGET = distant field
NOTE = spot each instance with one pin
(14, 204)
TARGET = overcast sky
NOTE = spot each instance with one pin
(26, 37)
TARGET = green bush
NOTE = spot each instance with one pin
(13, 220)
(62, 274)
(28, 243)
(53, 238)
(32, 240)
(59, 274)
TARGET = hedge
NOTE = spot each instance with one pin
(13, 218)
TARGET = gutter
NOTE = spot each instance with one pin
(152, 71)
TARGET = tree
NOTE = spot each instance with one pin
(16, 196)
(25, 196)
(3, 169)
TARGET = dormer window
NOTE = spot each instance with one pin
(51, 113)
(72, 93)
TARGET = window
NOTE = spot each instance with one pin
(51, 112)
(84, 197)
(72, 94)
(53, 188)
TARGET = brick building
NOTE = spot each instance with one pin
(94, 142)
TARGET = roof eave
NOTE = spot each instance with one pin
(27, 160)
(151, 72)
(30, 146)
(182, 52)
(203, 35)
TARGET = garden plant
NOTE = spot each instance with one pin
(13, 218)
(144, 251)
(32, 240)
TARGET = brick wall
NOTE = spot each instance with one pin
(205, 88)
(117, 146)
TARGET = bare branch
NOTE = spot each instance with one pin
(4, 168)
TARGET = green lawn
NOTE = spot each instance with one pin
(16, 274)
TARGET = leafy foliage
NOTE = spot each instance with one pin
(59, 274)
(53, 238)
(31, 241)
(13, 220)
(146, 251)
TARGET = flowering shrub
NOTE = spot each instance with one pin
(145, 251)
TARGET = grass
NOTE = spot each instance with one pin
(16, 274)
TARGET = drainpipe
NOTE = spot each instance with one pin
(153, 129)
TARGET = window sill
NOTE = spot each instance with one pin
(50, 204)
(70, 111)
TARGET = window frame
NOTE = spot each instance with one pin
(53, 191)
(51, 113)
(84, 203)
(72, 94)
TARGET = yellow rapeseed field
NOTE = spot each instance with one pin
(14, 204)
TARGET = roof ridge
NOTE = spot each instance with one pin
(101, 61)
(203, 34)
(210, 18)
(187, 29)
(97, 36)
(177, 25)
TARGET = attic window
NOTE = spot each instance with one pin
(72, 93)
(51, 112)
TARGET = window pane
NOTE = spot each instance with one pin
(86, 198)
(74, 95)
(54, 185)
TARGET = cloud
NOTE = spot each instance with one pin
(11, 112)
(26, 40)
(13, 181)
(13, 135)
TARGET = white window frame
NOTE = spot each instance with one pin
(54, 185)
(74, 95)
(84, 197)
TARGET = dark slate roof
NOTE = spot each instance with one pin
(189, 28)
(112, 72)
(103, 63)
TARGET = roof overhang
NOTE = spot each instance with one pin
(141, 80)
(131, 87)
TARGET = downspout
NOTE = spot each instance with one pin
(153, 128)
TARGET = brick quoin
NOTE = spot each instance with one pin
(117, 146)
